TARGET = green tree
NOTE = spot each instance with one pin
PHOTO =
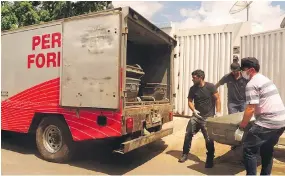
(22, 13)
(58, 9)
(8, 19)
(26, 13)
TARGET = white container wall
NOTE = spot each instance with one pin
(269, 49)
(211, 52)
(210, 49)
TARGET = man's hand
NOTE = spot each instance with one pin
(238, 134)
(196, 113)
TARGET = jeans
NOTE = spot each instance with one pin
(260, 139)
(235, 108)
(194, 125)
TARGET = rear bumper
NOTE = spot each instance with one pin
(144, 140)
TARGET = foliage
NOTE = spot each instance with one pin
(8, 18)
(23, 13)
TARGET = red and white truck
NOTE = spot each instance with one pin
(97, 76)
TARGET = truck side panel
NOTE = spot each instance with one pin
(31, 62)
(30, 57)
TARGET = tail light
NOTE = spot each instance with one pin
(170, 116)
(129, 124)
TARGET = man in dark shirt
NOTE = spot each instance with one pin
(206, 98)
(236, 89)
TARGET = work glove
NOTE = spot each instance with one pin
(238, 134)
(196, 114)
(218, 114)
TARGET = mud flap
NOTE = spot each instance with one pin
(141, 141)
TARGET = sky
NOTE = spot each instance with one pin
(263, 15)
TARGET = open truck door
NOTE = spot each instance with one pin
(90, 61)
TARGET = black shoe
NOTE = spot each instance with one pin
(183, 158)
(209, 162)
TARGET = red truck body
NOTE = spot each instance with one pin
(74, 71)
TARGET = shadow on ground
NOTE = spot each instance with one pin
(99, 158)
(17, 142)
(279, 154)
(91, 155)
(229, 163)
(226, 164)
(177, 154)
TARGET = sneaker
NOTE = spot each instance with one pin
(183, 158)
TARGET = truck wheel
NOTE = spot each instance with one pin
(54, 140)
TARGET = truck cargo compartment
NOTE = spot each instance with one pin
(134, 71)
(148, 59)
(155, 90)
(132, 88)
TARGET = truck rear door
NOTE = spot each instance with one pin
(91, 61)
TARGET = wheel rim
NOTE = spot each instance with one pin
(52, 139)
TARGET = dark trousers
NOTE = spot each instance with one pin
(193, 127)
(263, 140)
(235, 108)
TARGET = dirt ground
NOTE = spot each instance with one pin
(19, 156)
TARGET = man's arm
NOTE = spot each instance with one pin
(218, 85)
(191, 96)
(218, 102)
(216, 95)
(196, 113)
(248, 113)
(252, 99)
(190, 104)
(222, 81)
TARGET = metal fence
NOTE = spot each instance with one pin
(211, 52)
(269, 49)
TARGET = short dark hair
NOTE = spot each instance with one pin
(199, 73)
(235, 66)
(250, 62)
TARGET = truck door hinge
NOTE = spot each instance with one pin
(125, 30)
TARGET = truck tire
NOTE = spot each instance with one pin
(54, 140)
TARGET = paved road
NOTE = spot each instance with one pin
(19, 156)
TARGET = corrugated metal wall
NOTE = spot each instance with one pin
(269, 49)
(211, 52)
